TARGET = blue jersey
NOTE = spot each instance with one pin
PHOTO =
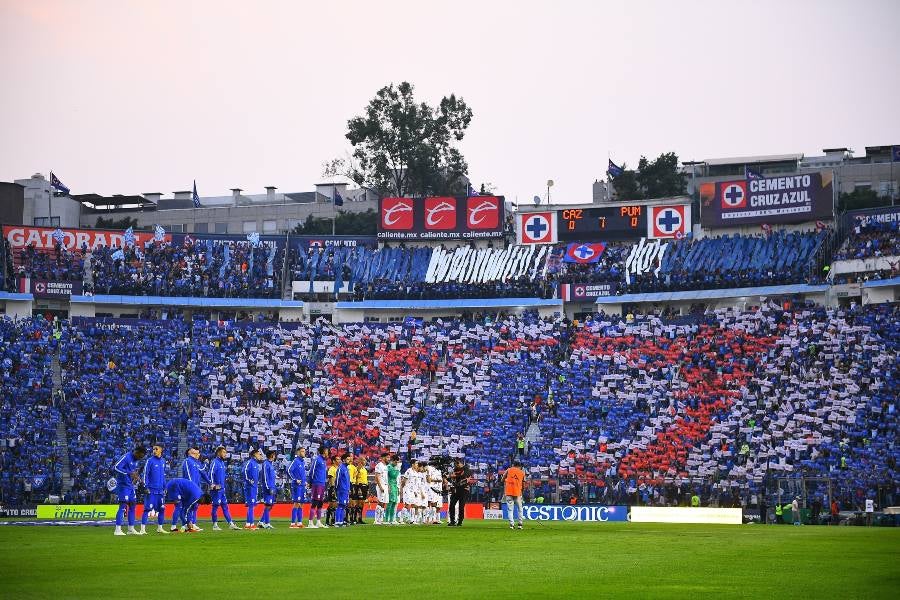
(268, 476)
(297, 471)
(218, 472)
(251, 472)
(123, 468)
(318, 473)
(192, 470)
(154, 476)
(342, 484)
(183, 490)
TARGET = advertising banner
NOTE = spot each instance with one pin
(682, 514)
(768, 200)
(441, 218)
(77, 512)
(672, 221)
(578, 512)
(17, 511)
(587, 292)
(886, 215)
(20, 236)
(537, 228)
(42, 288)
(305, 242)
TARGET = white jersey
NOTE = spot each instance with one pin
(435, 483)
(381, 493)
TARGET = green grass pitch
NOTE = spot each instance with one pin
(483, 559)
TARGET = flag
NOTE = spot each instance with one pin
(895, 153)
(821, 225)
(159, 234)
(338, 200)
(751, 173)
(58, 235)
(766, 227)
(129, 236)
(196, 198)
(583, 253)
(55, 182)
(253, 238)
(614, 170)
(118, 255)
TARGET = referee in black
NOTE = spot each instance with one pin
(459, 493)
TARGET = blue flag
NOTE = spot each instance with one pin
(338, 200)
(253, 238)
(895, 153)
(118, 255)
(56, 183)
(196, 198)
(614, 170)
(129, 236)
(58, 235)
(159, 233)
(751, 173)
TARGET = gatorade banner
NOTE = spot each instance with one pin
(767, 200)
(20, 236)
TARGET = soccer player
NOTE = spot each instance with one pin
(330, 496)
(381, 488)
(154, 478)
(125, 470)
(251, 486)
(186, 495)
(513, 479)
(393, 489)
(409, 491)
(269, 489)
(297, 475)
(361, 486)
(342, 490)
(218, 473)
(192, 470)
(318, 477)
(434, 490)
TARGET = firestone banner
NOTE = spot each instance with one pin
(441, 218)
(564, 512)
(767, 200)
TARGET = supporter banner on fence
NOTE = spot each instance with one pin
(20, 236)
(683, 514)
(77, 512)
(481, 265)
(17, 511)
(863, 218)
(441, 218)
(43, 288)
(179, 239)
(572, 512)
(645, 257)
(305, 242)
(768, 200)
(576, 292)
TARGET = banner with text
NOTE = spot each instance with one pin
(42, 238)
(579, 512)
(42, 288)
(768, 200)
(441, 218)
(577, 292)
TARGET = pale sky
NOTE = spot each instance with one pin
(133, 96)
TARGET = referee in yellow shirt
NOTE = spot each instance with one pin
(360, 490)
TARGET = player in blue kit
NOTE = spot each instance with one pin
(342, 490)
(186, 496)
(192, 470)
(154, 478)
(125, 472)
(269, 489)
(297, 475)
(251, 486)
(218, 473)
(318, 477)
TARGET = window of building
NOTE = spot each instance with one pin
(221, 227)
(249, 226)
(46, 221)
(270, 226)
(201, 227)
(176, 228)
(865, 185)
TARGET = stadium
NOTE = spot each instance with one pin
(401, 381)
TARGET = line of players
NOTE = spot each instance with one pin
(343, 485)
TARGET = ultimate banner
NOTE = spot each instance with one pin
(788, 199)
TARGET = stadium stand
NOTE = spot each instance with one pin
(870, 240)
(641, 411)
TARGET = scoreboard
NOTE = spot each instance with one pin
(626, 222)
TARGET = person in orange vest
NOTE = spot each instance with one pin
(514, 479)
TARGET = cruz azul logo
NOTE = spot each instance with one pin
(397, 213)
(734, 195)
(483, 212)
(440, 213)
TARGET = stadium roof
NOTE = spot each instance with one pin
(108, 202)
(15, 296)
(767, 290)
(741, 160)
(444, 304)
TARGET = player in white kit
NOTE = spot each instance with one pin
(434, 492)
(381, 488)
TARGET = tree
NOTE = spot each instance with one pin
(652, 179)
(346, 223)
(123, 223)
(861, 198)
(404, 148)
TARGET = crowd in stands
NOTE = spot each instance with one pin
(871, 240)
(58, 264)
(7, 268)
(642, 409)
(196, 268)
